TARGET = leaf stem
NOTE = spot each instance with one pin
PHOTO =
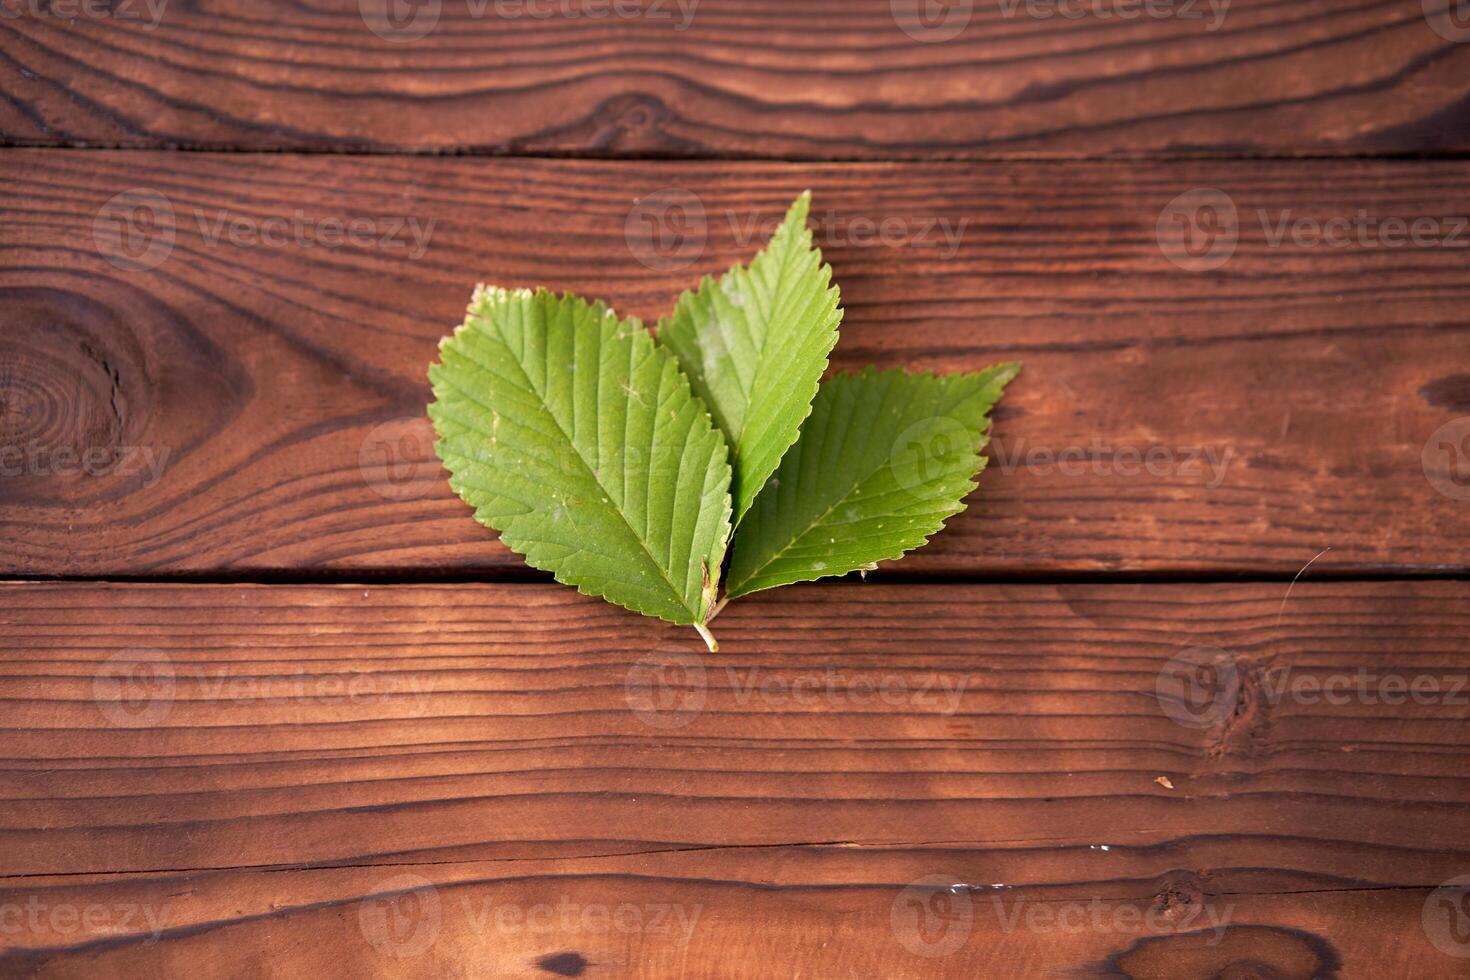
(709, 638)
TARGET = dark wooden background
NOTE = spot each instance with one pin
(273, 705)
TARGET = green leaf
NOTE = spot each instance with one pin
(755, 345)
(577, 438)
(883, 461)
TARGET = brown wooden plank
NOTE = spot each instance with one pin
(242, 407)
(665, 916)
(810, 79)
(178, 753)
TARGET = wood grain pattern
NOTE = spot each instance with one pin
(257, 406)
(212, 366)
(814, 79)
(262, 769)
(664, 916)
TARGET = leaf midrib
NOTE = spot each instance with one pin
(576, 451)
(847, 494)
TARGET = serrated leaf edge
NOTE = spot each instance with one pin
(482, 294)
(1005, 373)
(803, 200)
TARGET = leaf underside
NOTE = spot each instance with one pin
(884, 459)
(576, 437)
(754, 345)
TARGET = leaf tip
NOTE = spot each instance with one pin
(796, 215)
